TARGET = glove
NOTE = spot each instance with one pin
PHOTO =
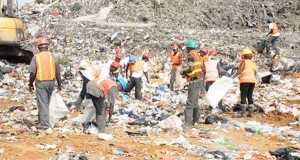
(77, 103)
(31, 88)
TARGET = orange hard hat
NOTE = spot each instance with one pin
(175, 46)
(119, 55)
(115, 64)
(146, 55)
(213, 52)
(204, 50)
(42, 41)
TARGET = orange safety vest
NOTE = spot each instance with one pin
(275, 29)
(248, 74)
(212, 73)
(105, 85)
(197, 71)
(176, 59)
(138, 66)
(204, 59)
(45, 66)
(130, 67)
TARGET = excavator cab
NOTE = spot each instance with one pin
(12, 36)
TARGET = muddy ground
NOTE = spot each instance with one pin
(140, 147)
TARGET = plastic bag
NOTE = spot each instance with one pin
(57, 108)
(218, 90)
(93, 129)
(105, 137)
(173, 122)
(211, 119)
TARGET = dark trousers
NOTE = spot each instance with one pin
(99, 104)
(44, 91)
(247, 92)
(193, 109)
(172, 79)
(207, 85)
(137, 83)
(272, 40)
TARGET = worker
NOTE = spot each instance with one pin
(89, 72)
(204, 58)
(273, 36)
(44, 68)
(115, 65)
(193, 72)
(204, 55)
(176, 60)
(247, 73)
(130, 66)
(212, 71)
(100, 89)
(118, 58)
(137, 69)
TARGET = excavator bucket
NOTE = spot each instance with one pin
(16, 54)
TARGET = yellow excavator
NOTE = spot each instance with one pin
(13, 36)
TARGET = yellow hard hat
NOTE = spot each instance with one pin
(246, 51)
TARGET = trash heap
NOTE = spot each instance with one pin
(100, 25)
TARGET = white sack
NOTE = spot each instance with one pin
(218, 90)
(57, 108)
(171, 123)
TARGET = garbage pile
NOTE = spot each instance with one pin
(100, 29)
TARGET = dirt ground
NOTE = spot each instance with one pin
(137, 147)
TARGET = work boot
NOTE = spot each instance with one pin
(196, 115)
(100, 121)
(85, 127)
(243, 111)
(250, 108)
(188, 118)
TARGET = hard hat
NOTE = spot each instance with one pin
(191, 44)
(119, 55)
(146, 55)
(115, 64)
(122, 82)
(246, 51)
(269, 19)
(212, 52)
(42, 41)
(119, 50)
(204, 50)
(175, 46)
(131, 59)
